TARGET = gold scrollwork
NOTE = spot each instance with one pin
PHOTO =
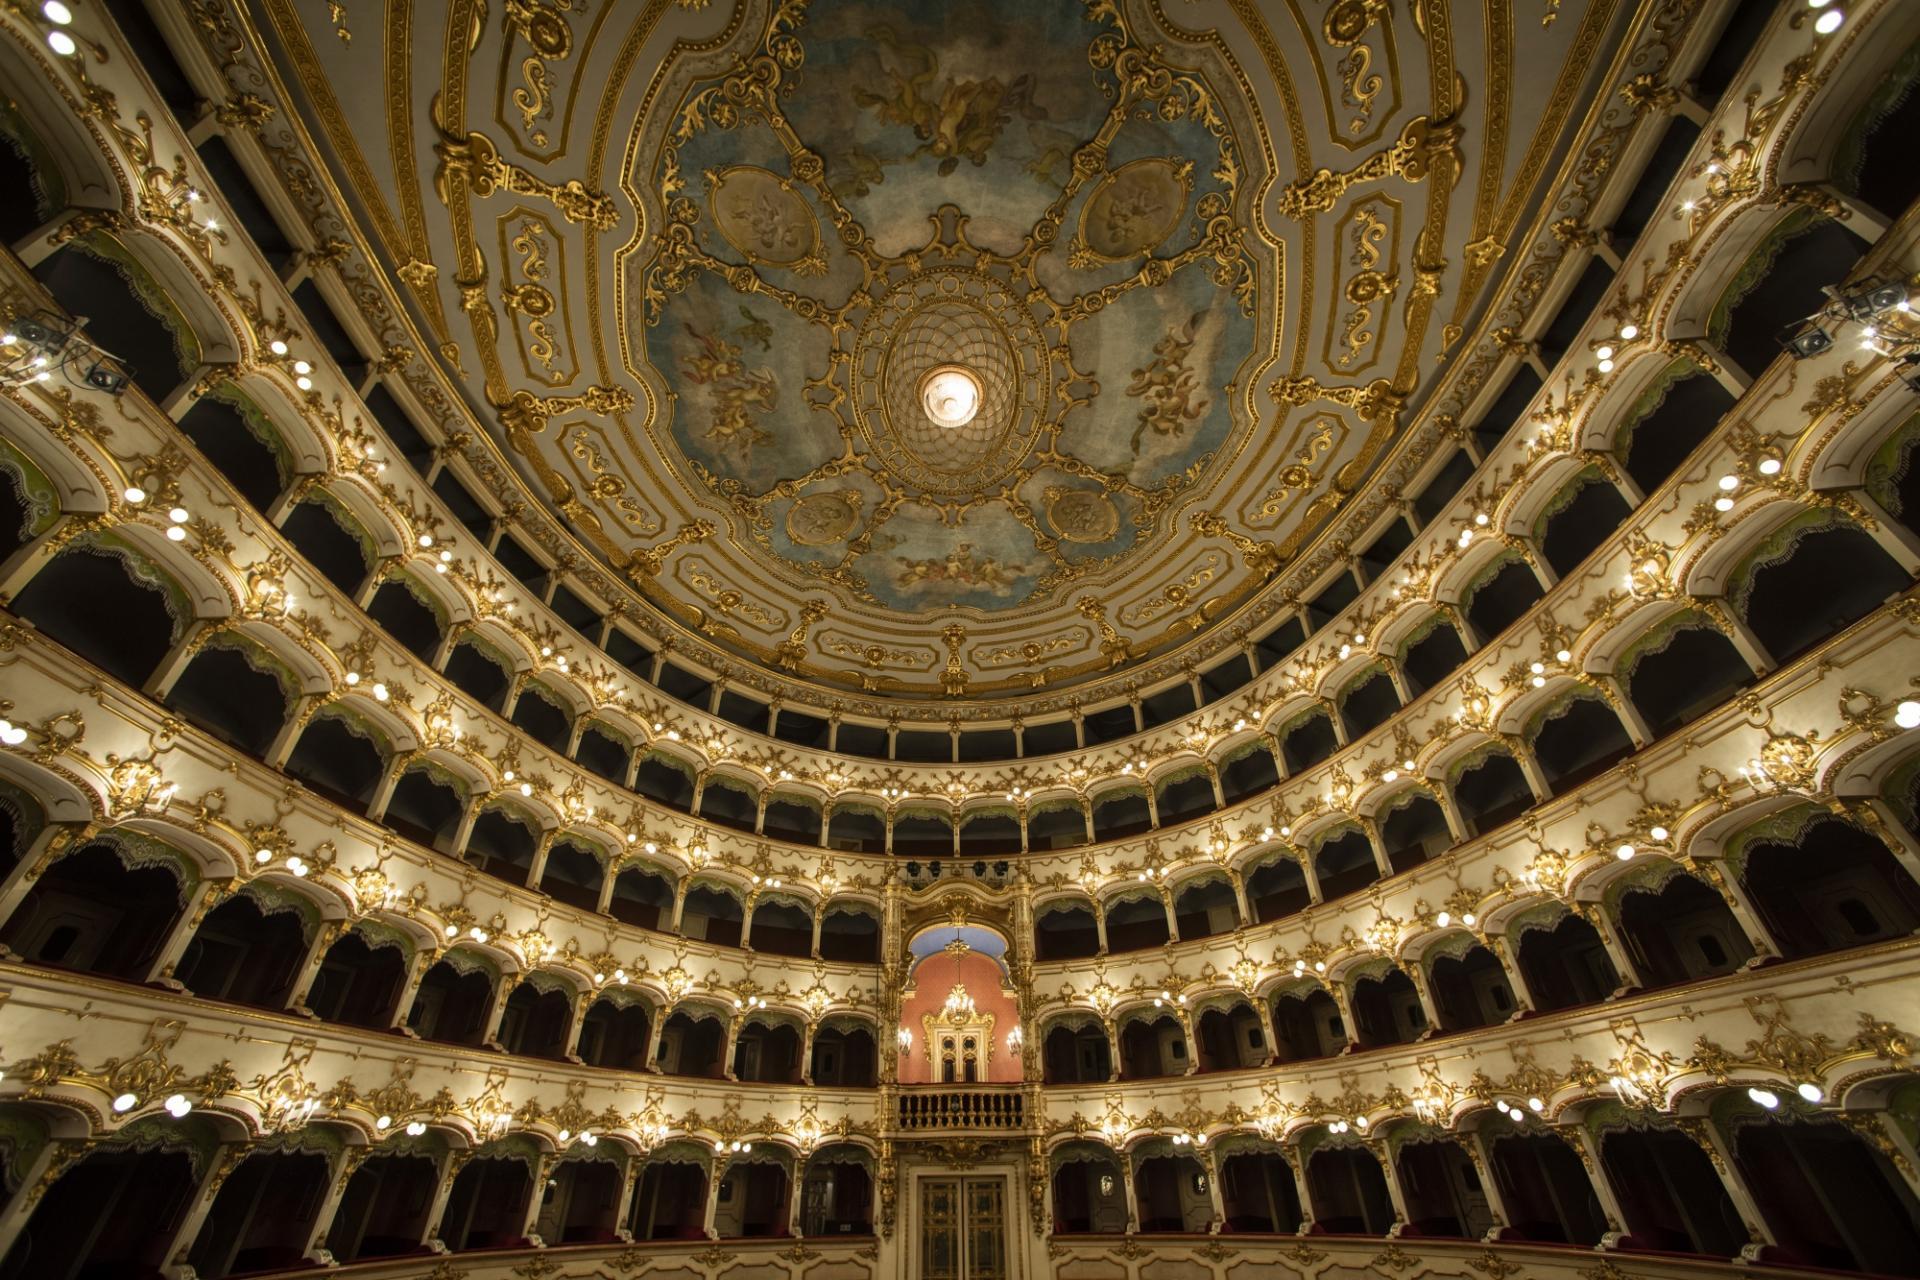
(527, 238)
(1412, 156)
(761, 215)
(1346, 26)
(476, 161)
(1369, 288)
(545, 29)
(1132, 211)
(822, 519)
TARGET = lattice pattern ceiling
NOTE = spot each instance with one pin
(695, 262)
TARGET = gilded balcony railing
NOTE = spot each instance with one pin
(962, 1108)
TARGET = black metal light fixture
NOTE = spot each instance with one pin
(34, 348)
(1883, 311)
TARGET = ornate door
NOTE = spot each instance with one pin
(963, 1234)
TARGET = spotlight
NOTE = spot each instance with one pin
(1806, 340)
(1874, 297)
(43, 343)
(102, 376)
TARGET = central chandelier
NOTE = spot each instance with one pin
(950, 395)
(959, 1006)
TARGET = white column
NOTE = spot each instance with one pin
(794, 1185)
(1583, 1144)
(55, 841)
(48, 1164)
(1214, 1197)
(450, 1169)
(571, 1045)
(323, 939)
(1417, 973)
(490, 1030)
(1630, 975)
(1474, 1145)
(542, 1170)
(714, 1179)
(1398, 1197)
(1516, 980)
(410, 990)
(1702, 1131)
(339, 1174)
(226, 1158)
(1296, 1161)
(200, 900)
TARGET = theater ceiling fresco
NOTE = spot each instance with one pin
(946, 349)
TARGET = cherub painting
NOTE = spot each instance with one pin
(954, 117)
(739, 395)
(962, 568)
(1169, 390)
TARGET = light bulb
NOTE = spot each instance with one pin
(178, 515)
(61, 43)
(1629, 331)
(1624, 852)
(1769, 466)
(178, 1106)
(1765, 1097)
(950, 395)
(56, 13)
(1729, 483)
(415, 1128)
(1826, 24)
(125, 1102)
(278, 347)
(1907, 715)
(135, 494)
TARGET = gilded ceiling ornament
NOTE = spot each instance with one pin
(546, 31)
(793, 650)
(1081, 515)
(1345, 26)
(1420, 144)
(822, 519)
(476, 162)
(1132, 210)
(761, 215)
